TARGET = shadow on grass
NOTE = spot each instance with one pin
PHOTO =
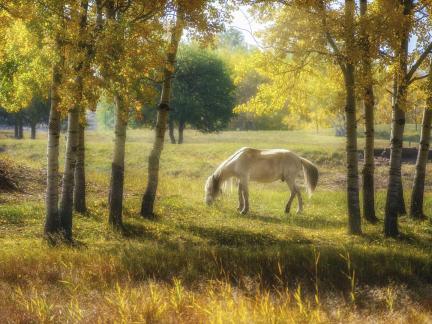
(300, 220)
(229, 236)
(138, 231)
(273, 265)
(212, 236)
(232, 253)
(262, 218)
(313, 222)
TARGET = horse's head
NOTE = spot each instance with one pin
(212, 189)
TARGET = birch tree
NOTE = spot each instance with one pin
(368, 97)
(321, 31)
(403, 13)
(66, 202)
(417, 194)
(128, 58)
(204, 19)
(147, 205)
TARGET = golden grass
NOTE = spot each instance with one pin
(209, 265)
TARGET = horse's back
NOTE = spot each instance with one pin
(265, 165)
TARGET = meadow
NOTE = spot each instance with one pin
(199, 264)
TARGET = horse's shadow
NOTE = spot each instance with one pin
(300, 220)
(261, 217)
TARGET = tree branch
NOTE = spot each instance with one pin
(418, 78)
(419, 62)
(389, 91)
(331, 41)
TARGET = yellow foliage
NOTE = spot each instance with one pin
(24, 66)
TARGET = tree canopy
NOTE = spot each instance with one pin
(203, 92)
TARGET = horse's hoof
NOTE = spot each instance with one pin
(244, 212)
(299, 212)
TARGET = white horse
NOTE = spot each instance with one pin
(262, 166)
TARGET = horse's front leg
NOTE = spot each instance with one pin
(245, 187)
(240, 197)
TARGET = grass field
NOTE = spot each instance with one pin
(199, 264)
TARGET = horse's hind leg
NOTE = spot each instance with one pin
(293, 190)
(290, 200)
(300, 202)
(240, 197)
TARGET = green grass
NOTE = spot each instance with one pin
(382, 132)
(201, 264)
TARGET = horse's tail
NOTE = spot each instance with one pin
(310, 172)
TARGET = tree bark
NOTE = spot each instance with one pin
(147, 206)
(171, 131)
(117, 167)
(416, 207)
(52, 220)
(181, 129)
(33, 131)
(402, 205)
(368, 103)
(354, 220)
(79, 196)
(401, 202)
(395, 190)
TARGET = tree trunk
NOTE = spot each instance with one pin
(181, 129)
(52, 220)
(20, 128)
(66, 202)
(16, 133)
(395, 190)
(402, 206)
(33, 130)
(401, 202)
(354, 221)
(416, 208)
(117, 168)
(171, 131)
(368, 103)
(79, 196)
(147, 205)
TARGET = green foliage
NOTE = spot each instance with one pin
(203, 93)
(37, 111)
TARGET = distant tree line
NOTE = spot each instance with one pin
(35, 114)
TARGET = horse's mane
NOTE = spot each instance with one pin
(217, 184)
